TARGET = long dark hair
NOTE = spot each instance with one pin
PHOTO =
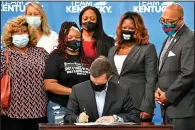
(64, 30)
(102, 41)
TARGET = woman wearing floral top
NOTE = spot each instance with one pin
(28, 101)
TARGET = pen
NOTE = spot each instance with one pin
(84, 110)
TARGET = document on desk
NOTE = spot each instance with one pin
(114, 123)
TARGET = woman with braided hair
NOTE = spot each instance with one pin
(65, 67)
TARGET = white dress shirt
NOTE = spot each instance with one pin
(49, 43)
(100, 101)
(119, 60)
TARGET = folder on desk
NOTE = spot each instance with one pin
(114, 123)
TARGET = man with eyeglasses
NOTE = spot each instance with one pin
(175, 91)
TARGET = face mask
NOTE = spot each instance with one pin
(97, 88)
(73, 45)
(20, 41)
(170, 29)
(34, 21)
(127, 36)
(90, 26)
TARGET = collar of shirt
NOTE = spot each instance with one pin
(100, 100)
(177, 31)
(104, 89)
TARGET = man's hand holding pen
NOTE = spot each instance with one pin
(83, 118)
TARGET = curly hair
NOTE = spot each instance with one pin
(9, 29)
(141, 34)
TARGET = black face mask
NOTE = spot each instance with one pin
(90, 26)
(73, 45)
(127, 36)
(98, 88)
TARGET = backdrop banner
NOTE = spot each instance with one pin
(58, 12)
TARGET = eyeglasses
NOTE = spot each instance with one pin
(162, 21)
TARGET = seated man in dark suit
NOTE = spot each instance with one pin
(100, 100)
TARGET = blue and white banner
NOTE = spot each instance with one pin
(58, 12)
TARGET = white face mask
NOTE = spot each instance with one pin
(33, 21)
(20, 41)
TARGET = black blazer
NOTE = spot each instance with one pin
(118, 101)
(176, 75)
(139, 73)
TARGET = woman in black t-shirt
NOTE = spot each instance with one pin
(65, 68)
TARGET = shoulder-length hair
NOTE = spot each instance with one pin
(10, 26)
(141, 33)
(44, 24)
(102, 41)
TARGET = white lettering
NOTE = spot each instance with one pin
(4, 3)
(68, 9)
(142, 8)
(144, 4)
(76, 7)
(14, 3)
(108, 9)
(139, 3)
(80, 9)
(156, 3)
(12, 7)
(135, 8)
(3, 7)
(163, 8)
(88, 3)
(76, 3)
(149, 7)
(149, 3)
(101, 8)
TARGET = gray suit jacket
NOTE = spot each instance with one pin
(176, 75)
(117, 101)
(139, 73)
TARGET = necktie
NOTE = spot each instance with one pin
(164, 50)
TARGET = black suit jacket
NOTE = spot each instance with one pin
(139, 73)
(176, 75)
(117, 101)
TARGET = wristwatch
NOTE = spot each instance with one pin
(116, 118)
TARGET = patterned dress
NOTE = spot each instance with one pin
(28, 98)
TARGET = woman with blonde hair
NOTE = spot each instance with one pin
(28, 100)
(36, 17)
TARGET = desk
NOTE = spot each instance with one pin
(100, 127)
